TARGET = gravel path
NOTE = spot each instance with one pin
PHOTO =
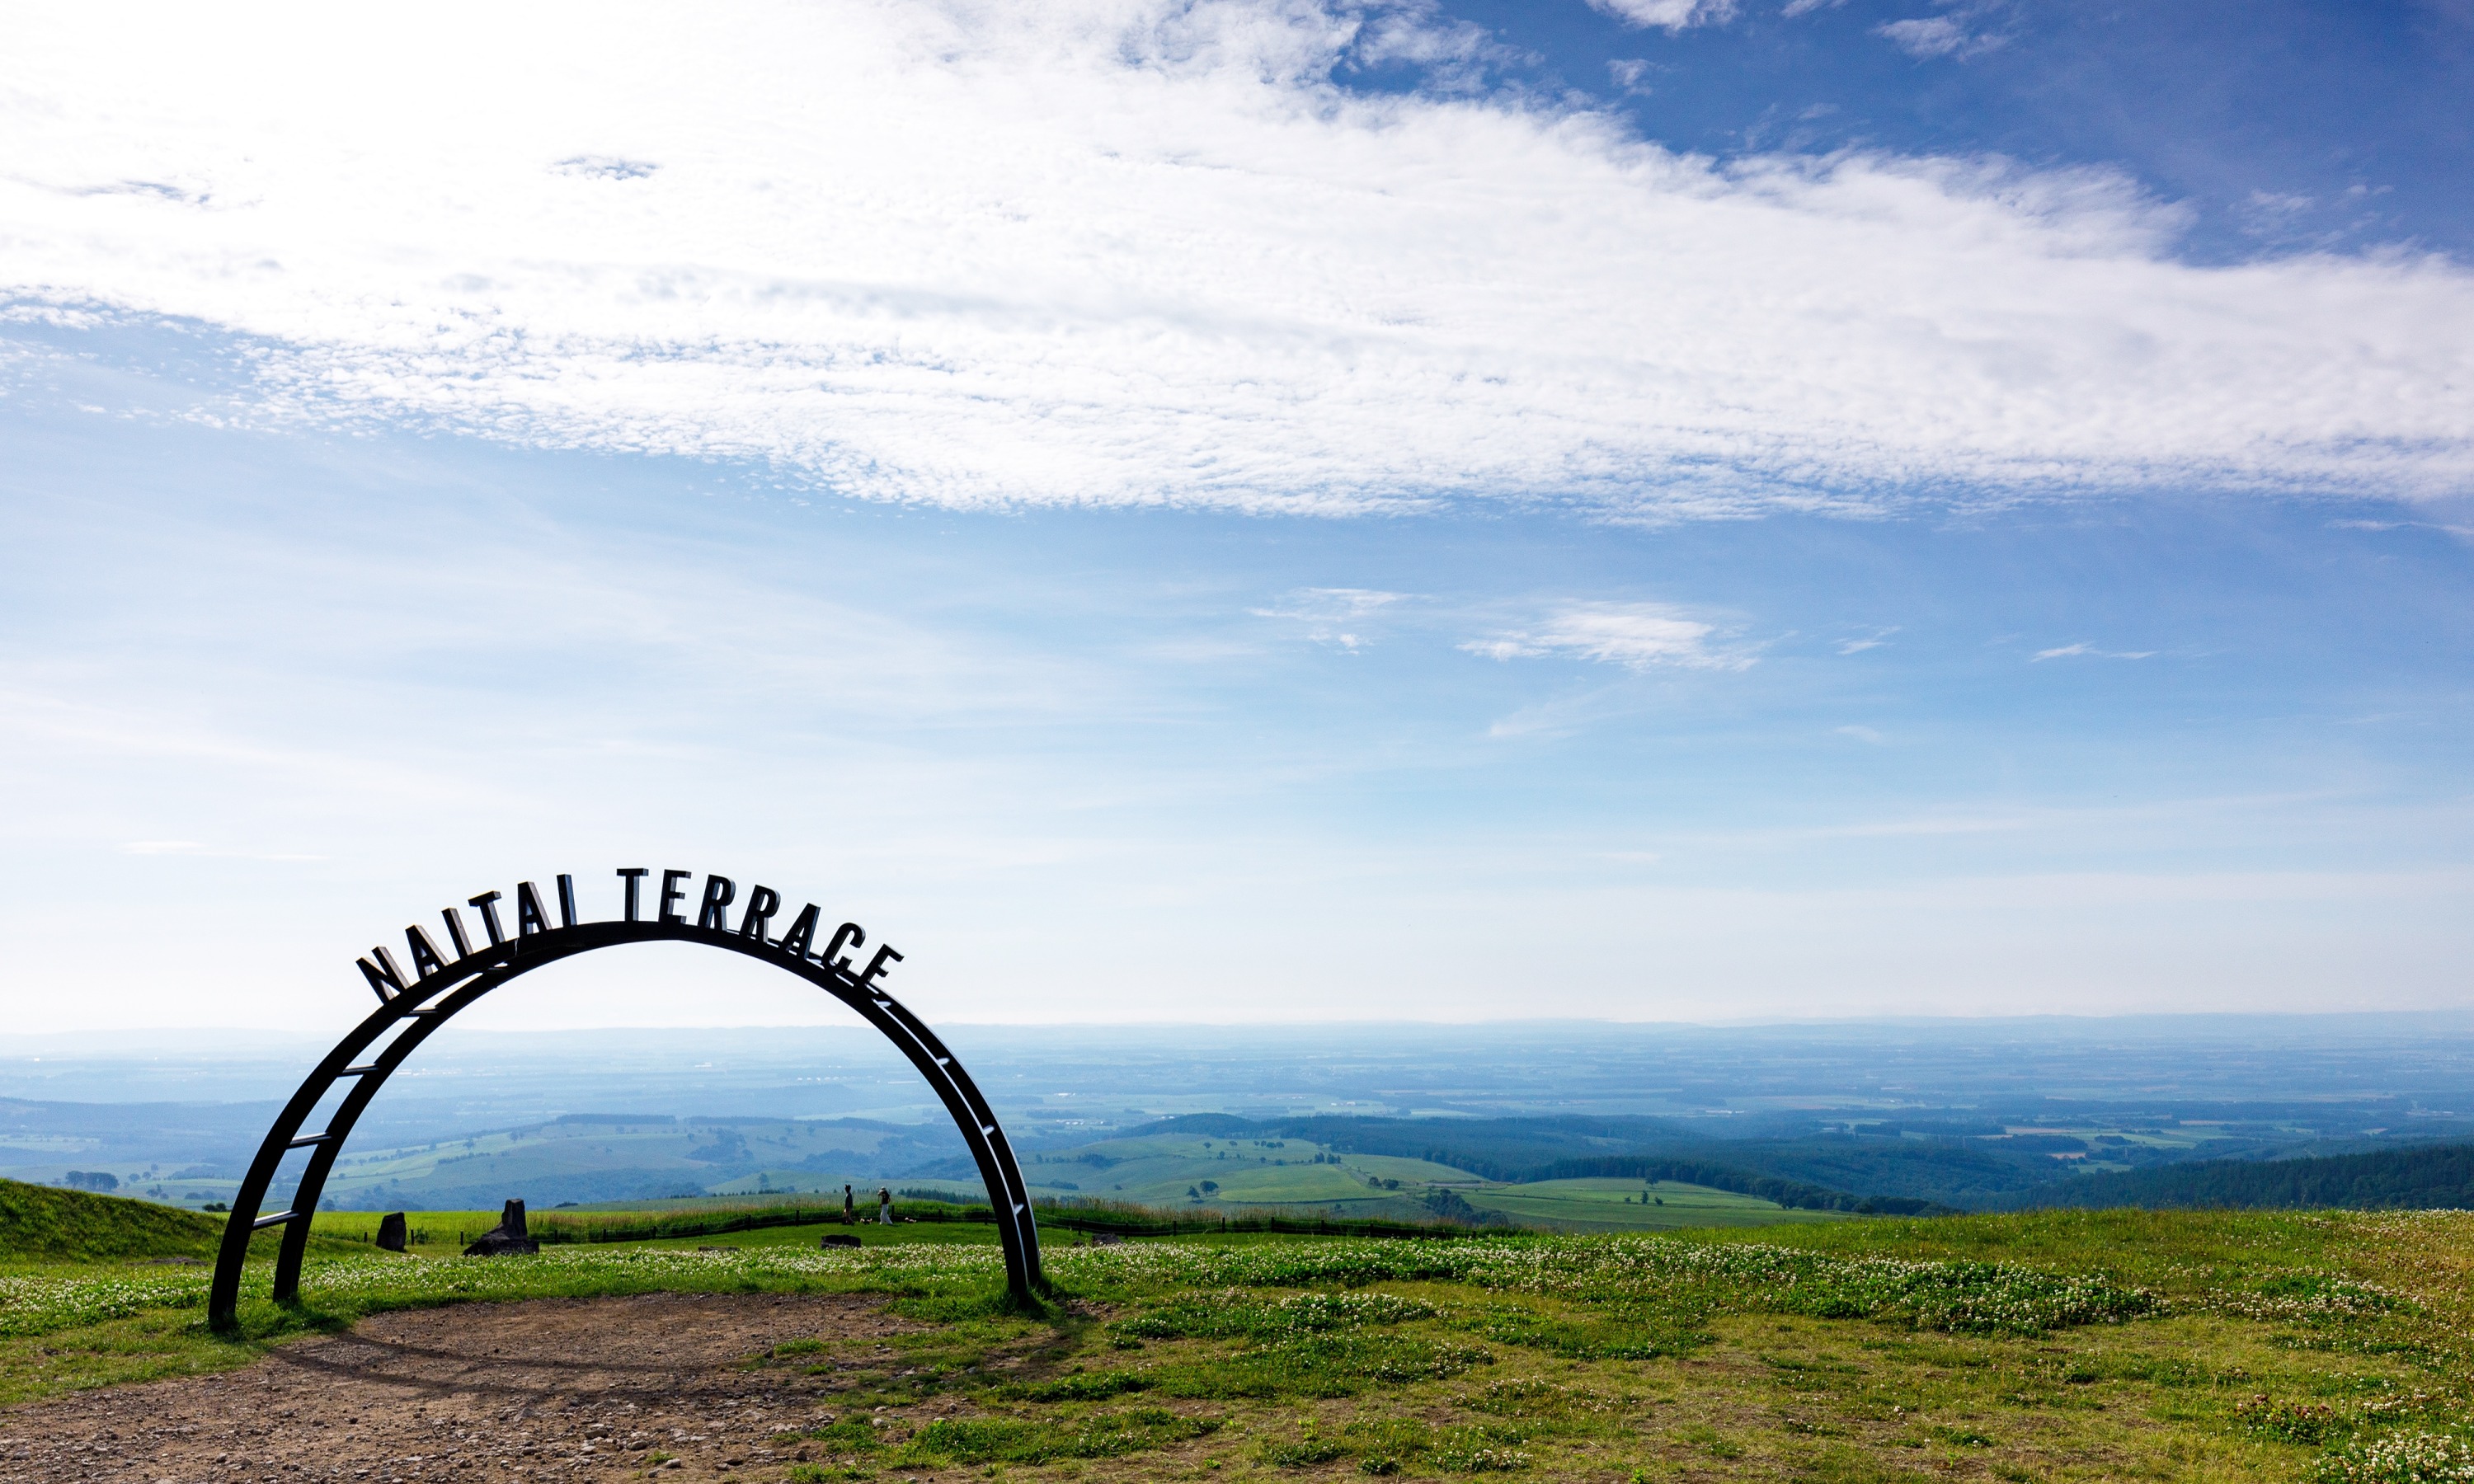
(553, 1389)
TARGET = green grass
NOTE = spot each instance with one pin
(44, 1224)
(42, 1227)
(2053, 1346)
(434, 1233)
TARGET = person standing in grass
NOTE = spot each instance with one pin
(885, 1208)
(850, 1207)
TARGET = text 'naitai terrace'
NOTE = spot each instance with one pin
(671, 903)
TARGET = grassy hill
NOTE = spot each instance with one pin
(2426, 1179)
(43, 1224)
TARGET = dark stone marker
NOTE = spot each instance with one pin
(507, 1236)
(838, 1239)
(391, 1232)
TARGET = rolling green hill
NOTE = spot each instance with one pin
(2426, 1179)
(44, 1224)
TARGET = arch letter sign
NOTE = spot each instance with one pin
(536, 929)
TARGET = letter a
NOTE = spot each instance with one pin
(802, 934)
(530, 919)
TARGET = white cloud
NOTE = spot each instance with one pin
(1670, 14)
(1935, 35)
(1638, 636)
(1331, 604)
(1121, 252)
(2088, 651)
(1939, 35)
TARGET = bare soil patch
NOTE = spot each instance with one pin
(550, 1389)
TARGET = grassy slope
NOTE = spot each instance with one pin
(45, 1224)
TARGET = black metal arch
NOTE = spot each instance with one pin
(428, 1001)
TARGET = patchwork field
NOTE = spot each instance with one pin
(1633, 1205)
(1314, 1180)
(2201, 1346)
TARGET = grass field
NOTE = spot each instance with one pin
(2054, 1346)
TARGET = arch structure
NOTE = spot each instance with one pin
(413, 1005)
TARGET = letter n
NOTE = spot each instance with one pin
(385, 980)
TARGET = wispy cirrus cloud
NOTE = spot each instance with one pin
(1955, 34)
(2086, 651)
(1134, 253)
(1332, 616)
(1637, 636)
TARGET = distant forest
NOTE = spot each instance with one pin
(1881, 1176)
(2421, 1179)
(1572, 1148)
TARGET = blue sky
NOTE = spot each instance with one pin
(1253, 512)
(2277, 126)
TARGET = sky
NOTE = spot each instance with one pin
(1703, 510)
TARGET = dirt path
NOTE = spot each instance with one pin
(554, 1389)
